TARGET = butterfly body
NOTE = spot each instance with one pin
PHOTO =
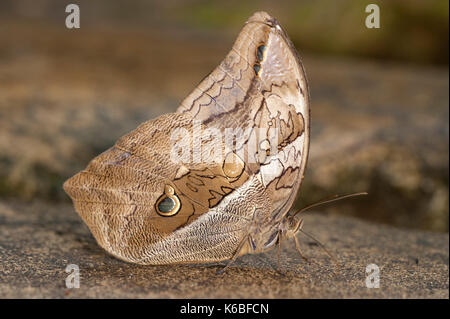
(143, 206)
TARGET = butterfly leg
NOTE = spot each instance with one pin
(279, 254)
(241, 245)
(297, 246)
(235, 255)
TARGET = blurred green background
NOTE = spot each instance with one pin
(379, 96)
(412, 30)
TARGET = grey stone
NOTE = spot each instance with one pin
(38, 241)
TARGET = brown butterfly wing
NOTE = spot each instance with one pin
(116, 195)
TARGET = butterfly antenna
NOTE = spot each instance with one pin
(329, 200)
(321, 246)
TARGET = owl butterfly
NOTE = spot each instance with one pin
(143, 206)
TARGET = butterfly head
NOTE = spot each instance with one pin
(291, 225)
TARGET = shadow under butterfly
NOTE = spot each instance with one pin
(145, 208)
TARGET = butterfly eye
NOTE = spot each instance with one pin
(168, 204)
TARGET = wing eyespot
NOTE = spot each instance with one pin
(261, 52)
(168, 204)
(257, 68)
(260, 56)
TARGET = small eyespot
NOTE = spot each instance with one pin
(168, 203)
(260, 52)
(257, 68)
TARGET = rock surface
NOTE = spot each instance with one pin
(38, 241)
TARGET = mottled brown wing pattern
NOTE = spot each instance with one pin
(116, 193)
(256, 88)
(143, 207)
